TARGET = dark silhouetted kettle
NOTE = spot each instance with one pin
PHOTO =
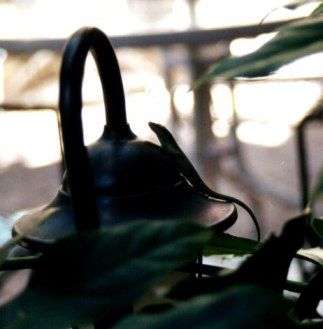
(119, 178)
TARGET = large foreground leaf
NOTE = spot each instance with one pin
(237, 307)
(85, 276)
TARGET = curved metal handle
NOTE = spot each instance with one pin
(70, 106)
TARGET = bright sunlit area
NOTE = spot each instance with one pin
(157, 82)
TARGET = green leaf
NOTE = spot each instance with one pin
(293, 41)
(298, 3)
(318, 10)
(226, 244)
(237, 307)
(269, 265)
(85, 276)
(317, 224)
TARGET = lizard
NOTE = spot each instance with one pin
(170, 145)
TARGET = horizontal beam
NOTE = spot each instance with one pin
(161, 39)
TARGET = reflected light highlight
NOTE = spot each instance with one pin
(269, 134)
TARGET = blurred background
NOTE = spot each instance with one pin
(241, 137)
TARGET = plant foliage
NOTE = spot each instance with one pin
(148, 275)
(292, 41)
(86, 277)
(82, 277)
